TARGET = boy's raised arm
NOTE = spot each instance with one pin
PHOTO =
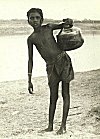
(56, 26)
(66, 22)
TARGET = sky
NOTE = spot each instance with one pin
(54, 9)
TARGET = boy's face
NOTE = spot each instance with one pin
(35, 20)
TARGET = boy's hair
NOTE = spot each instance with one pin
(32, 10)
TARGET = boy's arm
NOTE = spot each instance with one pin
(30, 64)
(66, 23)
(56, 26)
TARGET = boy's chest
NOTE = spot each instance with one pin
(41, 37)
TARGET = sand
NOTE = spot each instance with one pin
(23, 116)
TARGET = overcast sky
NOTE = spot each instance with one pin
(55, 9)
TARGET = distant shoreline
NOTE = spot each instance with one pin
(21, 27)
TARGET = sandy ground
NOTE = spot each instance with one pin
(23, 116)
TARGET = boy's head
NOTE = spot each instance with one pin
(35, 17)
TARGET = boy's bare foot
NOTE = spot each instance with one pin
(62, 130)
(49, 129)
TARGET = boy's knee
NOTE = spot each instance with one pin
(65, 97)
(54, 98)
(54, 93)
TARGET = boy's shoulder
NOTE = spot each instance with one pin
(30, 38)
(48, 25)
(32, 35)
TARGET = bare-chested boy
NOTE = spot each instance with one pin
(58, 64)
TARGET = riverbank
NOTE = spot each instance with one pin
(23, 116)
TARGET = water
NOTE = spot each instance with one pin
(14, 57)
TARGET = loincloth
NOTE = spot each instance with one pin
(60, 70)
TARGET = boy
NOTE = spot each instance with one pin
(58, 64)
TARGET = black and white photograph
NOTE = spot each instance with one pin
(49, 69)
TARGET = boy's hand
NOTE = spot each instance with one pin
(30, 88)
(68, 22)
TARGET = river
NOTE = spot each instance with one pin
(14, 57)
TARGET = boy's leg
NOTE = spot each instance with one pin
(52, 107)
(66, 104)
